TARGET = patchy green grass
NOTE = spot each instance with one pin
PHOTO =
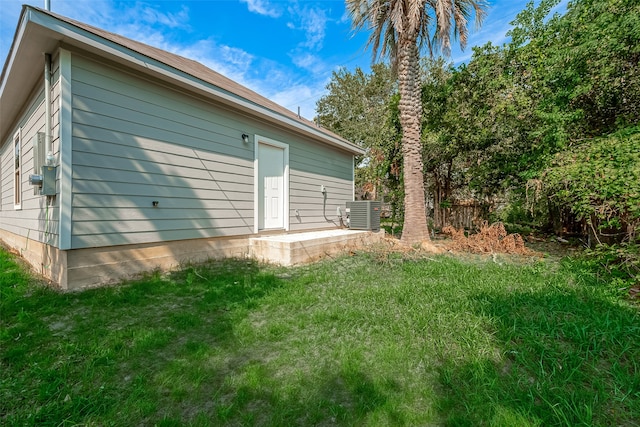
(372, 339)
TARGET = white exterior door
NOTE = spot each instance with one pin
(271, 187)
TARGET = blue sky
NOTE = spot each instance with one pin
(285, 50)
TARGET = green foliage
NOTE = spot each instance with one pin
(582, 66)
(517, 216)
(598, 52)
(357, 108)
(490, 115)
(517, 112)
(561, 81)
(600, 180)
(618, 265)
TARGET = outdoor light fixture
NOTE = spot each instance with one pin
(245, 138)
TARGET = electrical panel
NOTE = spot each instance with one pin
(45, 183)
(48, 181)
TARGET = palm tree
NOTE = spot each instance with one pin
(400, 29)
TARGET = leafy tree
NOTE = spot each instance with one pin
(444, 152)
(600, 181)
(562, 80)
(582, 68)
(357, 108)
(400, 28)
(585, 63)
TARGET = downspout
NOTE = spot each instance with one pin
(47, 95)
(47, 104)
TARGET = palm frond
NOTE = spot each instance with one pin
(430, 23)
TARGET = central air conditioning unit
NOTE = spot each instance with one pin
(364, 215)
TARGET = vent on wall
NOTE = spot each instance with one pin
(364, 215)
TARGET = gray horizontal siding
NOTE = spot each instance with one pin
(177, 190)
(326, 162)
(159, 107)
(144, 226)
(166, 213)
(109, 239)
(34, 220)
(314, 211)
(144, 201)
(135, 142)
(6, 171)
(91, 154)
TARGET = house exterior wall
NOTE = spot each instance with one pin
(133, 140)
(136, 141)
(311, 167)
(31, 229)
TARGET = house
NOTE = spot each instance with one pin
(117, 157)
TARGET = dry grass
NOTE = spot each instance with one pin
(489, 239)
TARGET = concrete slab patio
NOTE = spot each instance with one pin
(300, 248)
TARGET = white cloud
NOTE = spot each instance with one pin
(309, 62)
(140, 22)
(345, 18)
(313, 21)
(153, 17)
(300, 95)
(231, 62)
(262, 7)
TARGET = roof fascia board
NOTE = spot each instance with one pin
(13, 50)
(113, 49)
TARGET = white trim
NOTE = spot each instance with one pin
(17, 184)
(257, 140)
(353, 178)
(22, 25)
(256, 193)
(65, 150)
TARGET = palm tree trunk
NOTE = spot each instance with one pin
(415, 216)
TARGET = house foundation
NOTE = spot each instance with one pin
(85, 268)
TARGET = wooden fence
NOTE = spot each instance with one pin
(465, 215)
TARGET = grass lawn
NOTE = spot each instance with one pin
(371, 339)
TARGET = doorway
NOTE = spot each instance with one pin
(272, 161)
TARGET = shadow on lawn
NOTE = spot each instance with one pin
(79, 357)
(342, 399)
(166, 350)
(567, 358)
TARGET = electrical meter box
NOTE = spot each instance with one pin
(45, 183)
(48, 181)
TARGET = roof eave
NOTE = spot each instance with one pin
(61, 32)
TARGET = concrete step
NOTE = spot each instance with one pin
(301, 248)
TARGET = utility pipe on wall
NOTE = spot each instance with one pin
(47, 103)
